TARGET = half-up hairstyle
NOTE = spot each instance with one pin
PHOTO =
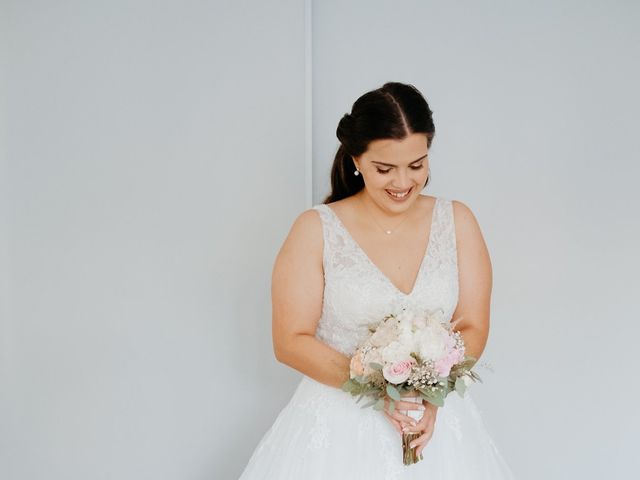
(393, 111)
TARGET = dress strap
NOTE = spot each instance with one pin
(326, 219)
(444, 251)
(339, 252)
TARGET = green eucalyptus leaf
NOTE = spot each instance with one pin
(425, 393)
(460, 386)
(393, 392)
(348, 385)
(436, 401)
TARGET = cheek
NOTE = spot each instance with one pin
(421, 178)
(378, 181)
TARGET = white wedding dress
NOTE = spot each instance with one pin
(322, 433)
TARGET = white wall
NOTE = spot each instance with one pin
(154, 161)
(535, 106)
(4, 238)
(135, 279)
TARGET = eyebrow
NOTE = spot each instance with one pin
(390, 165)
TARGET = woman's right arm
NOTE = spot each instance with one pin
(297, 289)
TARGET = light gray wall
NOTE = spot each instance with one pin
(536, 110)
(4, 237)
(134, 286)
(154, 163)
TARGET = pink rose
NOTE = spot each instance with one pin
(398, 372)
(443, 366)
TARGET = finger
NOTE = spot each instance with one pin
(422, 441)
(397, 425)
(427, 421)
(394, 422)
(405, 419)
(423, 424)
(398, 415)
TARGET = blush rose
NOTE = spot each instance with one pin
(398, 372)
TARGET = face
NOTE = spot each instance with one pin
(398, 167)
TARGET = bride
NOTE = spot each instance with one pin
(375, 245)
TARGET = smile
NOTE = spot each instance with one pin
(399, 195)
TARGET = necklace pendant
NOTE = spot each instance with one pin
(388, 232)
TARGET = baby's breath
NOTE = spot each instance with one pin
(422, 375)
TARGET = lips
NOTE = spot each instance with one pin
(399, 195)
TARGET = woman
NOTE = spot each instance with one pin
(374, 245)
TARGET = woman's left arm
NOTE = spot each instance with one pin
(475, 280)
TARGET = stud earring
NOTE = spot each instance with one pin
(357, 172)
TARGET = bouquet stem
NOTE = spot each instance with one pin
(409, 456)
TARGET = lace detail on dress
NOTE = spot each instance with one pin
(318, 405)
(453, 421)
(358, 295)
(322, 432)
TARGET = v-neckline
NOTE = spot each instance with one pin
(380, 272)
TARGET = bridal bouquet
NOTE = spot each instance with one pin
(410, 353)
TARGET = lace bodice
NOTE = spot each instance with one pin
(356, 292)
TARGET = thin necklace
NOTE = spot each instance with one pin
(385, 230)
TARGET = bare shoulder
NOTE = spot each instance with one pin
(304, 242)
(462, 212)
(466, 223)
(307, 228)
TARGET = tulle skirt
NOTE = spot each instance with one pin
(322, 433)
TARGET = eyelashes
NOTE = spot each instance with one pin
(388, 170)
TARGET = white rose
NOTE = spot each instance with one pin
(405, 318)
(384, 335)
(395, 352)
(431, 344)
(408, 339)
(420, 322)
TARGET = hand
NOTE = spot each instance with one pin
(398, 419)
(424, 426)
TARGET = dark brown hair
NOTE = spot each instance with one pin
(395, 110)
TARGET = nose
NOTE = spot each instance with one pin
(402, 180)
